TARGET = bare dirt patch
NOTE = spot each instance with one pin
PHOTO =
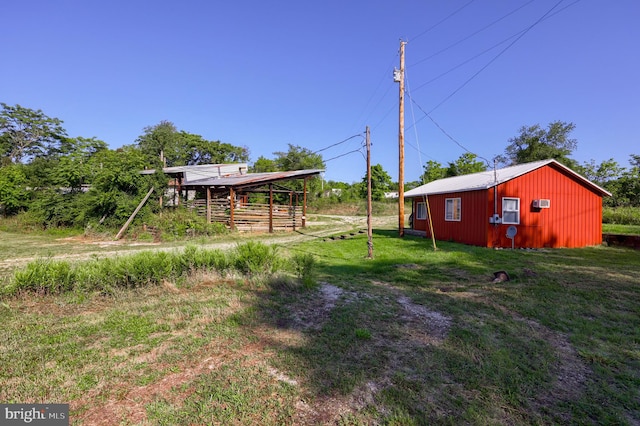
(419, 326)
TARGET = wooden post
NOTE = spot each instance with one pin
(178, 190)
(232, 195)
(270, 208)
(401, 145)
(295, 206)
(304, 204)
(163, 162)
(369, 225)
(133, 215)
(208, 204)
(291, 207)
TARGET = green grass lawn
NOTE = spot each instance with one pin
(412, 336)
(609, 228)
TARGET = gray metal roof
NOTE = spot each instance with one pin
(202, 171)
(487, 179)
(252, 179)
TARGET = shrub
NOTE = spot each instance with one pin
(181, 222)
(194, 258)
(304, 265)
(255, 258)
(621, 215)
(43, 276)
(106, 275)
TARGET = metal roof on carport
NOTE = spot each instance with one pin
(252, 179)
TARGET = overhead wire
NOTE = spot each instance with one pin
(550, 13)
(496, 57)
(345, 154)
(518, 34)
(413, 116)
(446, 18)
(383, 78)
(454, 140)
(464, 63)
(471, 35)
(339, 143)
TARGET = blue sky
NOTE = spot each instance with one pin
(268, 74)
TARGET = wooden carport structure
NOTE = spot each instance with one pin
(178, 175)
(227, 200)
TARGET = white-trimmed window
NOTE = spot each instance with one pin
(511, 211)
(452, 209)
(421, 211)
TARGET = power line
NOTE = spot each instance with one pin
(454, 140)
(519, 34)
(443, 20)
(471, 35)
(463, 63)
(383, 78)
(345, 154)
(496, 57)
(338, 143)
(437, 125)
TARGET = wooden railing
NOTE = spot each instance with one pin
(251, 216)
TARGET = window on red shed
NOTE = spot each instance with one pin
(511, 211)
(452, 209)
(421, 211)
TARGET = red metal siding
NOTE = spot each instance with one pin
(470, 229)
(574, 218)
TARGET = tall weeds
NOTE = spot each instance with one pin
(253, 260)
(621, 215)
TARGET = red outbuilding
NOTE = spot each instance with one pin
(532, 205)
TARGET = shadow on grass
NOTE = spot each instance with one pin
(361, 350)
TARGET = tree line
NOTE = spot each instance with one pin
(535, 143)
(58, 180)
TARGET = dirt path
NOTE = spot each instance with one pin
(83, 248)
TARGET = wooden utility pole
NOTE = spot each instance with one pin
(369, 225)
(399, 78)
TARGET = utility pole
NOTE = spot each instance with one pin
(398, 76)
(369, 225)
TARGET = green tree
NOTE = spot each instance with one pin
(117, 185)
(432, 171)
(380, 183)
(81, 148)
(626, 189)
(198, 150)
(161, 144)
(179, 148)
(298, 158)
(13, 189)
(263, 165)
(602, 173)
(466, 164)
(74, 168)
(535, 143)
(412, 184)
(26, 134)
